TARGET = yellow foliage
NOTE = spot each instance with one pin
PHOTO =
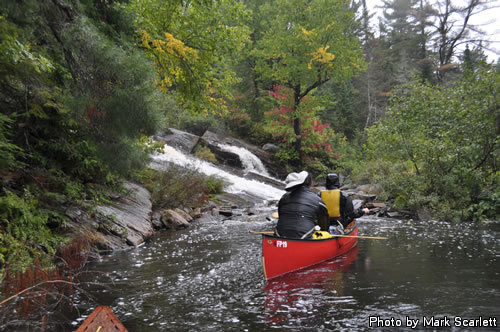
(170, 45)
(308, 33)
(321, 55)
(329, 26)
(145, 39)
(177, 47)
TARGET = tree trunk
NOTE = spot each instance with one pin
(296, 125)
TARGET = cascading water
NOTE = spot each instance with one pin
(250, 162)
(237, 183)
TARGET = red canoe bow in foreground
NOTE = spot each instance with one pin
(282, 255)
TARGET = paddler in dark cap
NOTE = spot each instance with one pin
(341, 211)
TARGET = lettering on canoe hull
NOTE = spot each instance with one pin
(281, 244)
(278, 243)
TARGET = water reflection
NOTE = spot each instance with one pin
(294, 296)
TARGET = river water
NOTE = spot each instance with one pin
(209, 277)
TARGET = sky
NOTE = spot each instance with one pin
(489, 21)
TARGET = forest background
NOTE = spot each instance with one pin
(409, 102)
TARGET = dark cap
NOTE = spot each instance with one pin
(332, 181)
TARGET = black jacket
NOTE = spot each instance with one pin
(299, 211)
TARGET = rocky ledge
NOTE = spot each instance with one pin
(129, 219)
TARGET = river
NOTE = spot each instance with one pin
(209, 276)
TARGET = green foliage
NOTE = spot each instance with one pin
(115, 97)
(448, 140)
(303, 45)
(196, 123)
(204, 153)
(75, 99)
(24, 234)
(305, 42)
(8, 150)
(214, 185)
(192, 44)
(178, 186)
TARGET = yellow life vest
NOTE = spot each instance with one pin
(332, 202)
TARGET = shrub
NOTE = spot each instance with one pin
(24, 234)
(178, 186)
(445, 142)
(204, 153)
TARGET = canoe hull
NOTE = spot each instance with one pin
(283, 255)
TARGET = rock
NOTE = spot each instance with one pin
(184, 214)
(179, 139)
(271, 162)
(172, 219)
(394, 214)
(361, 196)
(271, 148)
(266, 179)
(372, 205)
(371, 189)
(123, 223)
(424, 214)
(132, 212)
(251, 211)
(226, 211)
(156, 220)
(195, 213)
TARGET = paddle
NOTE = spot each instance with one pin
(336, 235)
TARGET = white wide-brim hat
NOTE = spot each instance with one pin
(295, 179)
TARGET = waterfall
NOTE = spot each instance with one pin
(251, 163)
(237, 184)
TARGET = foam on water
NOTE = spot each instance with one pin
(237, 184)
(250, 161)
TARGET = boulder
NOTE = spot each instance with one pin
(271, 148)
(172, 219)
(156, 220)
(184, 214)
(372, 205)
(371, 189)
(424, 214)
(195, 213)
(179, 139)
(361, 196)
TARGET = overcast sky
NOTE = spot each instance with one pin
(488, 21)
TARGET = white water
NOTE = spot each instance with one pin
(251, 163)
(237, 183)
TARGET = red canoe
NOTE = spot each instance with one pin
(282, 255)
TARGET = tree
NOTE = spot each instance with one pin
(448, 136)
(306, 43)
(192, 44)
(452, 28)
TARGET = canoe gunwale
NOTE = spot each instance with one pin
(308, 240)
